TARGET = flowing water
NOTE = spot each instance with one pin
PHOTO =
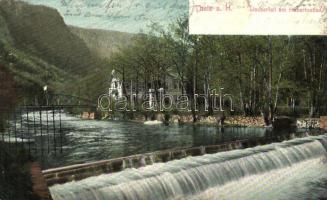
(294, 169)
(90, 140)
(290, 170)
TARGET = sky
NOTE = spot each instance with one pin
(120, 15)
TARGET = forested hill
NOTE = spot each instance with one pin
(37, 49)
(42, 32)
(103, 42)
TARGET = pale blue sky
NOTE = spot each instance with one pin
(120, 15)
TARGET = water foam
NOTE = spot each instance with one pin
(208, 176)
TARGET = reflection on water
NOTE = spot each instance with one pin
(96, 140)
(90, 140)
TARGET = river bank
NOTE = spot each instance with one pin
(232, 121)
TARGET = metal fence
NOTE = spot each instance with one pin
(37, 130)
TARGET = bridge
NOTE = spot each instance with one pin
(35, 131)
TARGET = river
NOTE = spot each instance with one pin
(92, 140)
(289, 170)
(295, 169)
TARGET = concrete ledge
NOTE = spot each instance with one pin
(81, 171)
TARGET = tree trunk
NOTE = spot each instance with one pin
(271, 106)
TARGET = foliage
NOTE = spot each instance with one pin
(103, 42)
(41, 31)
(261, 72)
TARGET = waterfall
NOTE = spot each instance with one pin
(196, 176)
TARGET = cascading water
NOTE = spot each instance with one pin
(227, 175)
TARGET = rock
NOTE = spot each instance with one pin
(92, 115)
(85, 115)
(283, 123)
(160, 117)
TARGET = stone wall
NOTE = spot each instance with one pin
(245, 121)
(308, 123)
(216, 119)
(88, 115)
(231, 120)
(40, 187)
(323, 122)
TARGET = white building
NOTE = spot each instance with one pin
(169, 84)
(116, 88)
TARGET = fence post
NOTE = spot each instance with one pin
(60, 130)
(34, 126)
(2, 137)
(3, 134)
(21, 127)
(47, 115)
(8, 128)
(28, 132)
(54, 128)
(41, 130)
(15, 130)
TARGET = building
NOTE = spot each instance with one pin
(116, 88)
(169, 84)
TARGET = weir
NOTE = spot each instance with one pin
(81, 171)
(202, 176)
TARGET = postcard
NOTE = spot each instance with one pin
(163, 99)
